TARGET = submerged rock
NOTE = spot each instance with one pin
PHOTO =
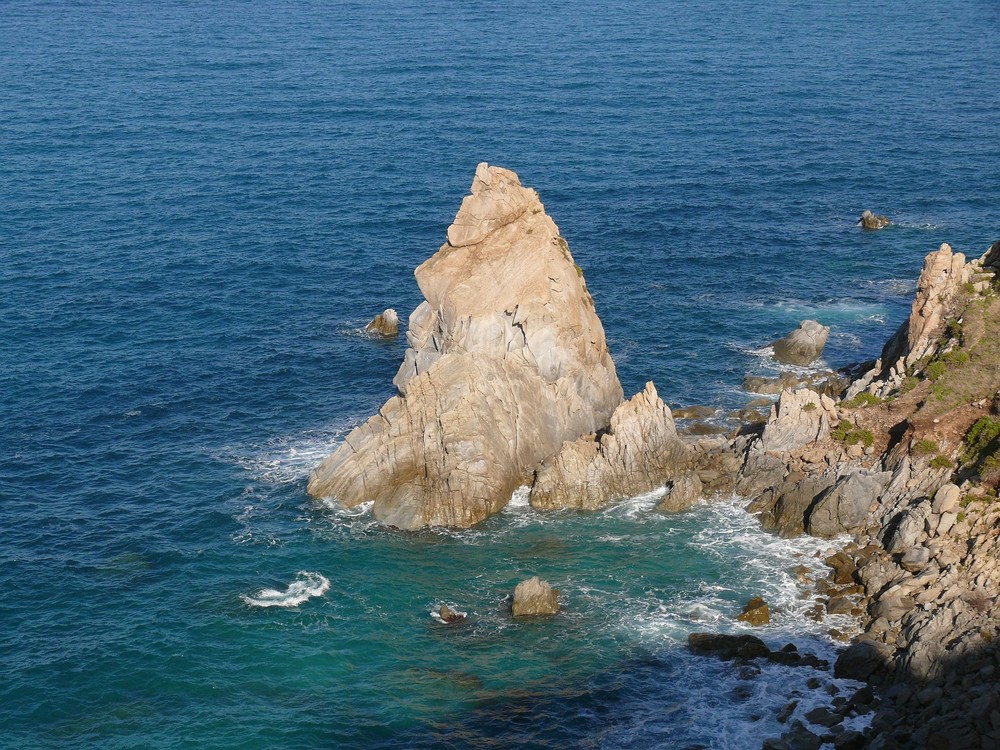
(535, 597)
(386, 324)
(638, 453)
(507, 360)
(803, 345)
(869, 220)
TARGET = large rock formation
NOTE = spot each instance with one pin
(943, 278)
(507, 360)
(638, 453)
(803, 345)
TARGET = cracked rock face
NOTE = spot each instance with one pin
(638, 453)
(507, 360)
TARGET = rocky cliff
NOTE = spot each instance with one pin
(507, 360)
(908, 462)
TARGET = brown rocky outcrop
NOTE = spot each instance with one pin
(870, 220)
(803, 345)
(386, 323)
(639, 452)
(942, 279)
(535, 597)
(507, 360)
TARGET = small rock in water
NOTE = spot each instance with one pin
(803, 345)
(535, 597)
(756, 612)
(385, 324)
(448, 615)
(869, 220)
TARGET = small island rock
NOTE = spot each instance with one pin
(385, 324)
(756, 612)
(869, 220)
(803, 345)
(507, 360)
(535, 597)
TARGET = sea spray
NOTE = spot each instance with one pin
(304, 587)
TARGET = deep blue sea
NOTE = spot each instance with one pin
(201, 203)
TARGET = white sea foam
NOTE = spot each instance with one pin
(290, 458)
(305, 586)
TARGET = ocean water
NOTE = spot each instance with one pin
(202, 203)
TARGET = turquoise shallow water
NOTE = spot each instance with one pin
(200, 205)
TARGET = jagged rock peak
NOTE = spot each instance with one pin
(507, 360)
(639, 452)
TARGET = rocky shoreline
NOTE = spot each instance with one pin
(508, 380)
(906, 462)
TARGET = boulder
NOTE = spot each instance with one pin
(535, 597)
(756, 612)
(869, 220)
(799, 418)
(386, 323)
(449, 616)
(793, 500)
(803, 345)
(639, 452)
(909, 528)
(681, 493)
(946, 498)
(862, 659)
(845, 506)
(507, 360)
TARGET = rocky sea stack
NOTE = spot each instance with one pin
(507, 360)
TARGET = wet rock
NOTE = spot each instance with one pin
(803, 345)
(728, 647)
(869, 220)
(843, 568)
(786, 712)
(385, 324)
(681, 493)
(756, 612)
(449, 616)
(694, 412)
(535, 597)
(771, 386)
(823, 716)
(862, 659)
(849, 740)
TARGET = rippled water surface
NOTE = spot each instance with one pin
(201, 204)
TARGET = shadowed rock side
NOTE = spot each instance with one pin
(507, 360)
(638, 453)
